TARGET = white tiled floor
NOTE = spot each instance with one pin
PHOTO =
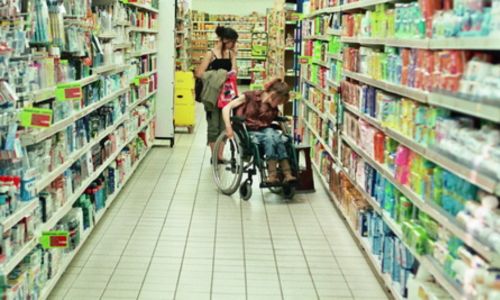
(171, 235)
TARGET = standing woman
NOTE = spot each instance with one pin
(222, 56)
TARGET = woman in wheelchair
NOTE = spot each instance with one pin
(259, 110)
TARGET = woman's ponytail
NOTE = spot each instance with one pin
(220, 31)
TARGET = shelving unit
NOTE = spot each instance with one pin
(337, 156)
(183, 36)
(103, 113)
(284, 47)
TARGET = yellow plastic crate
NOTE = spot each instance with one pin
(184, 114)
(184, 80)
(184, 96)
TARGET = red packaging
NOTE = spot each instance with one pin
(229, 91)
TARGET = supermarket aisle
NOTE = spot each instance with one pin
(170, 235)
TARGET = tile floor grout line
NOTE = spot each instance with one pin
(244, 247)
(100, 236)
(162, 228)
(272, 243)
(190, 220)
(215, 245)
(128, 241)
(302, 248)
(329, 246)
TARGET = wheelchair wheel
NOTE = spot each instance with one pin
(228, 173)
(246, 190)
(288, 191)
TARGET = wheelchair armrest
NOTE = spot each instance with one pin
(238, 119)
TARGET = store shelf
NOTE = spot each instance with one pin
(362, 242)
(80, 190)
(143, 7)
(363, 4)
(43, 95)
(335, 56)
(327, 148)
(112, 68)
(394, 42)
(404, 91)
(47, 179)
(321, 63)
(49, 93)
(324, 115)
(466, 43)
(124, 23)
(142, 100)
(40, 135)
(427, 262)
(325, 38)
(465, 172)
(467, 107)
(429, 208)
(323, 11)
(317, 86)
(336, 32)
(333, 83)
(51, 284)
(143, 52)
(145, 30)
(107, 35)
(24, 209)
(122, 46)
(8, 266)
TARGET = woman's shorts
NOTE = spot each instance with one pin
(215, 124)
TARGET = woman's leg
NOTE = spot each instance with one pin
(215, 125)
(282, 155)
(265, 140)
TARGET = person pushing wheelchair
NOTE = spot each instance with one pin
(260, 109)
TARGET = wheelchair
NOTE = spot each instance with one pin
(242, 155)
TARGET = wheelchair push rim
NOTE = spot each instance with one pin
(228, 173)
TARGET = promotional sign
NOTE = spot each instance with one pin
(71, 91)
(54, 239)
(36, 117)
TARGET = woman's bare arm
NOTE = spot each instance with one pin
(234, 60)
(204, 65)
(226, 113)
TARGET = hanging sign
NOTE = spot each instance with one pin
(36, 117)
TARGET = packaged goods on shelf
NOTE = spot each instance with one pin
(431, 20)
(65, 175)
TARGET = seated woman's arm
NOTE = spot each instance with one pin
(226, 114)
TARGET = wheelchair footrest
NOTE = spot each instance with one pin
(270, 185)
